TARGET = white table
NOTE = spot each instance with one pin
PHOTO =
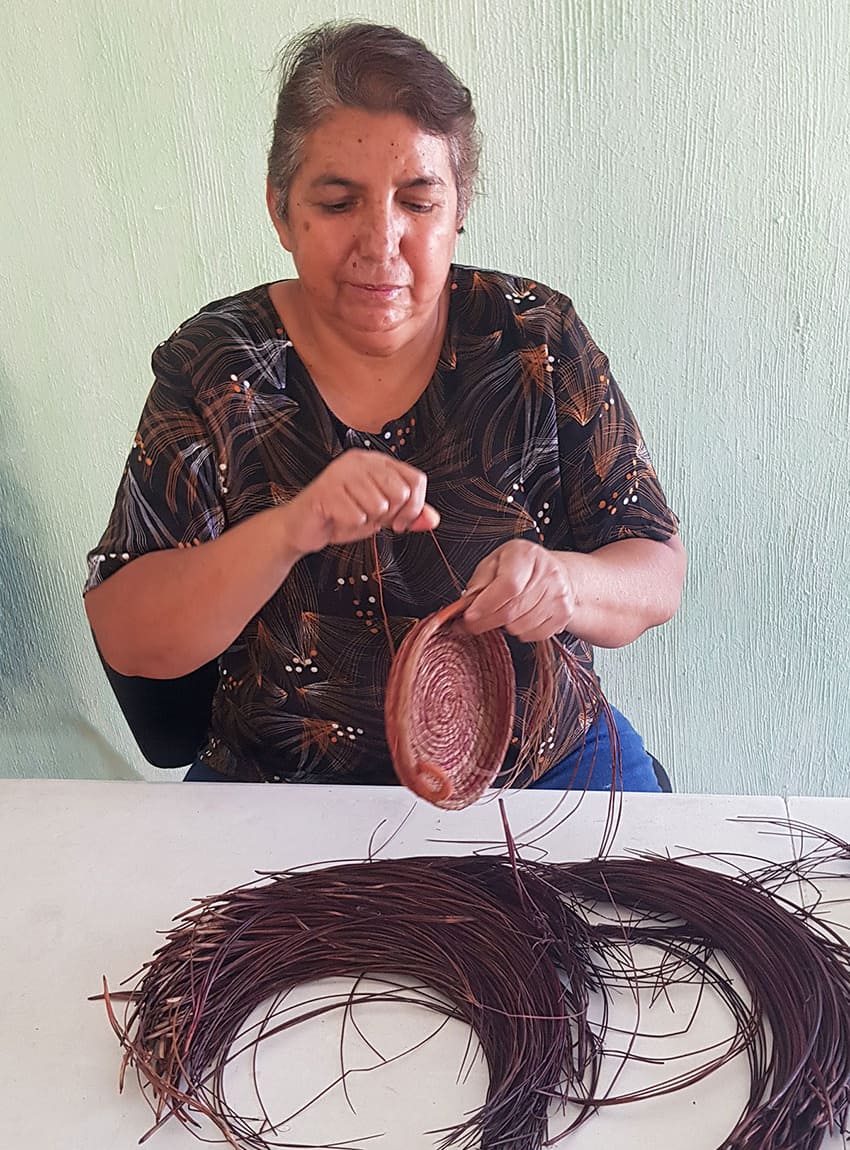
(92, 870)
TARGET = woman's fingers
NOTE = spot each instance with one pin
(427, 519)
(483, 574)
(506, 588)
(373, 498)
(393, 495)
(545, 630)
(411, 508)
(523, 588)
(535, 625)
(358, 494)
(502, 603)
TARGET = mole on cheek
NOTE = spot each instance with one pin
(306, 225)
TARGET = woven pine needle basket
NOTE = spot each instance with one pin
(449, 709)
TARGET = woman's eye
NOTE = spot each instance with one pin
(340, 206)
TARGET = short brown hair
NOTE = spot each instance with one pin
(378, 69)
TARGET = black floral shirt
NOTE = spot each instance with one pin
(521, 432)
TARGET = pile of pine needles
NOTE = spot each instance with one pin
(514, 949)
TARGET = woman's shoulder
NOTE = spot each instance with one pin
(236, 328)
(532, 319)
(496, 296)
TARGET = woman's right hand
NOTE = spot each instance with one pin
(356, 495)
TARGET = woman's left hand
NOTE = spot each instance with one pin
(524, 588)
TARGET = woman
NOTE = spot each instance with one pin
(324, 460)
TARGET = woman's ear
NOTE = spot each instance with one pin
(280, 225)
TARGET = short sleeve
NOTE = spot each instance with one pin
(611, 491)
(169, 491)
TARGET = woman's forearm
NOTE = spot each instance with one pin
(625, 588)
(169, 612)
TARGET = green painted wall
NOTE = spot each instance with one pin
(680, 167)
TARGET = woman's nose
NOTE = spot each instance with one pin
(379, 234)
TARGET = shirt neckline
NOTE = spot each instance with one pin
(446, 361)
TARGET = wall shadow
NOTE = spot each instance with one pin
(43, 728)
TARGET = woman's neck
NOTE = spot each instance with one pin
(364, 390)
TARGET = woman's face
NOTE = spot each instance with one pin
(371, 225)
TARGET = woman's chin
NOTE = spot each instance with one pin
(378, 329)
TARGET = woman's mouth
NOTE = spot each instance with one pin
(378, 291)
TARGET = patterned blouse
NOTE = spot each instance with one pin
(522, 433)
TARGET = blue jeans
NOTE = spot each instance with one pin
(571, 773)
(583, 769)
